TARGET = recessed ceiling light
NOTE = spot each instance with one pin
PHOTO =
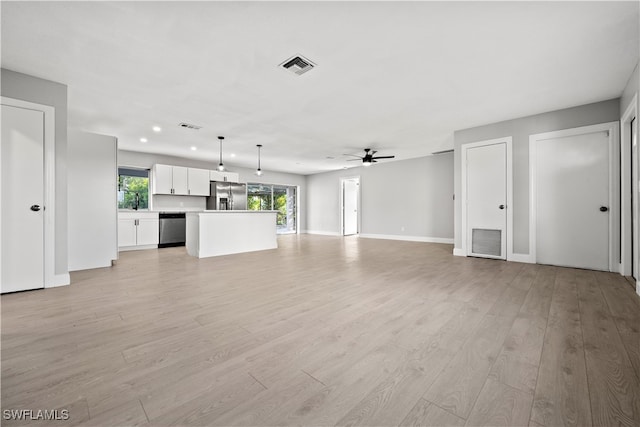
(143, 139)
(156, 128)
(233, 154)
(194, 148)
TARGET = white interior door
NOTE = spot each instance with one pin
(572, 201)
(486, 195)
(22, 154)
(350, 189)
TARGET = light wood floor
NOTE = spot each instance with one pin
(326, 331)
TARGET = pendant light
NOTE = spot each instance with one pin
(259, 171)
(220, 165)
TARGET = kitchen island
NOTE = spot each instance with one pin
(214, 233)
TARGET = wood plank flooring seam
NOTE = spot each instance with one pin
(589, 381)
(258, 381)
(313, 377)
(143, 410)
(546, 328)
(449, 412)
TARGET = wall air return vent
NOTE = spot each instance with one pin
(189, 126)
(298, 65)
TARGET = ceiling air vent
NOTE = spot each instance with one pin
(298, 64)
(189, 126)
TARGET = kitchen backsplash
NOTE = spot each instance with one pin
(178, 203)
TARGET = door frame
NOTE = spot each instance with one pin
(626, 161)
(508, 141)
(49, 187)
(614, 210)
(342, 181)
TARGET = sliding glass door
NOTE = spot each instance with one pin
(281, 198)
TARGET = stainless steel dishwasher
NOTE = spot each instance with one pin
(172, 229)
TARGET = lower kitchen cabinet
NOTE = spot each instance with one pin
(138, 230)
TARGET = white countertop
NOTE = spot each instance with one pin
(230, 211)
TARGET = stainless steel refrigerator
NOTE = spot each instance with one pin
(227, 196)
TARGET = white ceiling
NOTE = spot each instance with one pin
(396, 77)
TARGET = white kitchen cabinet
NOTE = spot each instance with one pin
(148, 231)
(198, 180)
(169, 179)
(180, 181)
(138, 230)
(162, 179)
(126, 232)
(224, 176)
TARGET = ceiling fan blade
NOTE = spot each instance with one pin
(384, 157)
(352, 155)
(373, 152)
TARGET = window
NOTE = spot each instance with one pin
(281, 198)
(133, 188)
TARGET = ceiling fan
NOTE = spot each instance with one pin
(369, 158)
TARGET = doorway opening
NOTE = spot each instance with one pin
(350, 202)
(280, 198)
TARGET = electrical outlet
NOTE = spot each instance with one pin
(402, 228)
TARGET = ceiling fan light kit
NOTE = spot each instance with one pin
(369, 158)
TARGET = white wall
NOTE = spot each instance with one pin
(415, 194)
(32, 89)
(166, 202)
(92, 200)
(520, 129)
(630, 89)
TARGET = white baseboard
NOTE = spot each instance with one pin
(526, 258)
(408, 238)
(59, 280)
(137, 248)
(638, 287)
(321, 233)
(458, 252)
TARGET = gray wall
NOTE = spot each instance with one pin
(415, 194)
(32, 89)
(520, 130)
(147, 160)
(630, 90)
(93, 232)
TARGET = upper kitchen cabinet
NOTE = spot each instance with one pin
(198, 180)
(180, 181)
(170, 180)
(224, 176)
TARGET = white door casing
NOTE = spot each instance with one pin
(633, 128)
(51, 279)
(629, 182)
(486, 199)
(572, 207)
(350, 191)
(22, 199)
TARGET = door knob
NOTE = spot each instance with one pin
(603, 208)
(35, 208)
(501, 207)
